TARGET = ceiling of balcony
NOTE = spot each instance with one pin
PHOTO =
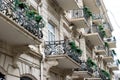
(92, 5)
(67, 4)
(14, 34)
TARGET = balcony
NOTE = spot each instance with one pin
(104, 75)
(63, 53)
(97, 19)
(108, 30)
(109, 57)
(16, 28)
(83, 72)
(93, 5)
(87, 70)
(72, 4)
(94, 36)
(100, 50)
(78, 18)
(111, 42)
(114, 66)
(93, 78)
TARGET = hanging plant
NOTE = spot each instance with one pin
(106, 74)
(87, 12)
(72, 45)
(118, 61)
(100, 27)
(102, 32)
(90, 63)
(31, 13)
(38, 18)
(106, 44)
(74, 48)
(79, 51)
(22, 5)
(113, 51)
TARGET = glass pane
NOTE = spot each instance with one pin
(2, 77)
(51, 33)
(25, 78)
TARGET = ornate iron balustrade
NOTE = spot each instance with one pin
(18, 14)
(103, 76)
(78, 13)
(110, 53)
(101, 47)
(59, 48)
(91, 70)
(112, 39)
(97, 16)
(98, 3)
(95, 29)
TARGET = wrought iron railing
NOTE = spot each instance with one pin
(19, 15)
(97, 16)
(98, 3)
(110, 53)
(115, 63)
(104, 75)
(59, 48)
(112, 39)
(78, 13)
(85, 67)
(95, 29)
(100, 47)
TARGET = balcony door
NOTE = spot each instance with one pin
(51, 32)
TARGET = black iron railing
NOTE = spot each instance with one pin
(104, 75)
(18, 13)
(85, 67)
(78, 13)
(97, 16)
(59, 48)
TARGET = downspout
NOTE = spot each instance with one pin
(41, 61)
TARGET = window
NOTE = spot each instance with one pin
(25, 78)
(51, 32)
(2, 77)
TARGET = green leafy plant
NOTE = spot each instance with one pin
(72, 45)
(114, 53)
(91, 63)
(31, 13)
(87, 12)
(79, 51)
(74, 48)
(106, 74)
(38, 18)
(118, 61)
(106, 44)
(22, 5)
(102, 32)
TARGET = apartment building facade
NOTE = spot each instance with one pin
(56, 40)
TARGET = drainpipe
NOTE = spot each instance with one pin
(41, 61)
